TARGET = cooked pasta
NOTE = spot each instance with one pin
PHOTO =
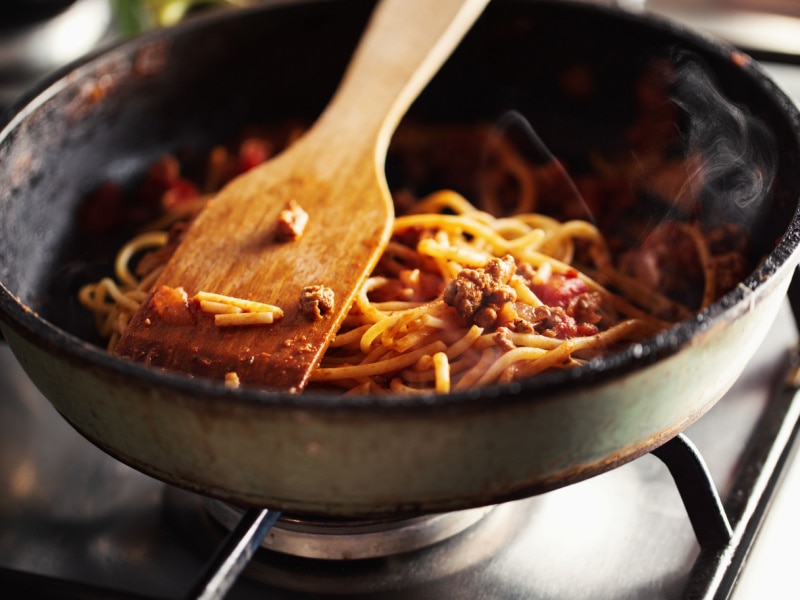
(405, 332)
(460, 298)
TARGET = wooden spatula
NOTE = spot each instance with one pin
(236, 248)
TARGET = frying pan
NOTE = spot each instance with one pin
(188, 87)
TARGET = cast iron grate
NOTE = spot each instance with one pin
(725, 531)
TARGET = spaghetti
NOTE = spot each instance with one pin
(460, 298)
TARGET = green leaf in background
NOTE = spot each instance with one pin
(135, 16)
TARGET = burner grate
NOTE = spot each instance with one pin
(763, 465)
(725, 532)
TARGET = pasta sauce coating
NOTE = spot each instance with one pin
(460, 297)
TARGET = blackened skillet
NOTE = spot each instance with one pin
(115, 113)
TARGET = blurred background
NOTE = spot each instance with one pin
(39, 36)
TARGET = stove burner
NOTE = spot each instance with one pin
(340, 539)
(384, 555)
(432, 566)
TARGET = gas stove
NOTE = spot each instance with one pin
(75, 523)
(705, 516)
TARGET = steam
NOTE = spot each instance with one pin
(736, 153)
(513, 120)
(719, 168)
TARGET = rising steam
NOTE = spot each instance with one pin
(737, 154)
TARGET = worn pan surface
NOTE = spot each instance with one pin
(112, 115)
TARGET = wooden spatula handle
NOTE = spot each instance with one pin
(335, 172)
(405, 44)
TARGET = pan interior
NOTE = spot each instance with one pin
(550, 68)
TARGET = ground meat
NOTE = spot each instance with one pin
(316, 301)
(729, 238)
(232, 380)
(479, 294)
(556, 322)
(520, 324)
(483, 295)
(502, 339)
(730, 269)
(526, 271)
(170, 305)
(585, 308)
(667, 261)
(291, 222)
(570, 307)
